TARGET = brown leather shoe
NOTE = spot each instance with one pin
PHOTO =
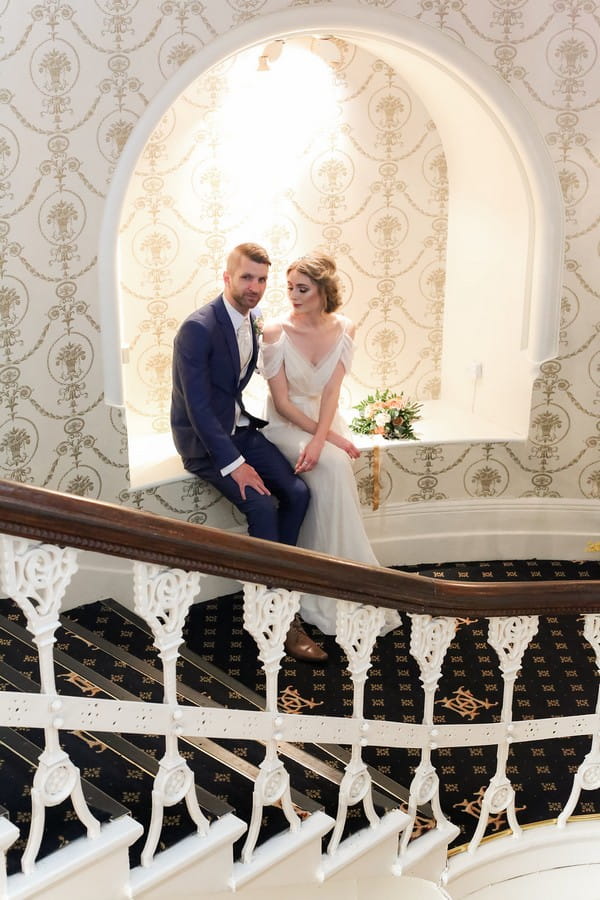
(300, 646)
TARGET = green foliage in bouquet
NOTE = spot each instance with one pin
(387, 414)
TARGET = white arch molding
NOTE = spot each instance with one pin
(505, 232)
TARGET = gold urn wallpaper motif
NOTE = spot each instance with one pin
(370, 187)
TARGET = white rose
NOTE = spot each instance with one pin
(381, 419)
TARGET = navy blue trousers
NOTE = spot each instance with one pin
(277, 517)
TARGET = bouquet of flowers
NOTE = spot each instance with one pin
(387, 414)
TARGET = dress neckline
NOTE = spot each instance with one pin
(325, 357)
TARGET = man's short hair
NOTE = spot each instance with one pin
(254, 252)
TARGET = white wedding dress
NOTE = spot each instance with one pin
(333, 523)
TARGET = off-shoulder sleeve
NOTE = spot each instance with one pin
(271, 358)
(347, 354)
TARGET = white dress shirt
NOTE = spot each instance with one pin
(241, 325)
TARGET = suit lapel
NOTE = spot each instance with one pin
(224, 321)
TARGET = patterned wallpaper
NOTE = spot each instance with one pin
(77, 76)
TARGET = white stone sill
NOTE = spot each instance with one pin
(154, 460)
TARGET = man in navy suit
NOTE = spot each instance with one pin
(214, 356)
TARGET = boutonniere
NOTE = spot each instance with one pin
(258, 326)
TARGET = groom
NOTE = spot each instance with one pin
(214, 356)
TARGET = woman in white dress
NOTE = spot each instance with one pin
(305, 356)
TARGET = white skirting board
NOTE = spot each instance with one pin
(410, 533)
(468, 530)
(543, 861)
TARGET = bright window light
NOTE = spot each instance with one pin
(267, 123)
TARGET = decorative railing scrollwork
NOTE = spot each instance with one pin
(268, 614)
(36, 577)
(40, 534)
(162, 597)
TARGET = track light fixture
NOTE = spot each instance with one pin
(270, 54)
(321, 45)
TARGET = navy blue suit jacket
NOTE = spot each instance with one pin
(206, 384)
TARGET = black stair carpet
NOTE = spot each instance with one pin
(111, 628)
(123, 766)
(108, 762)
(96, 666)
(220, 662)
(558, 677)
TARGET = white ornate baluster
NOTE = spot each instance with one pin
(429, 641)
(587, 777)
(36, 576)
(357, 629)
(268, 614)
(510, 637)
(163, 598)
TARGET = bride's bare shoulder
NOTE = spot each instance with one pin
(272, 331)
(347, 324)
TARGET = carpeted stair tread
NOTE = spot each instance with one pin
(220, 661)
(230, 692)
(19, 753)
(119, 641)
(151, 679)
(110, 618)
(123, 768)
(18, 761)
(231, 781)
(470, 690)
(233, 692)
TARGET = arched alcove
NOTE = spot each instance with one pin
(504, 245)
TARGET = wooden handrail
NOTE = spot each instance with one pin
(47, 516)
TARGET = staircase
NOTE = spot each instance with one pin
(96, 667)
(148, 773)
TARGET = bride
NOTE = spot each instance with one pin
(305, 356)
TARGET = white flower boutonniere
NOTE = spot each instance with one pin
(258, 326)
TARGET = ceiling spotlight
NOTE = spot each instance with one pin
(328, 48)
(270, 54)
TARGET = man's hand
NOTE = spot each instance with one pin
(246, 476)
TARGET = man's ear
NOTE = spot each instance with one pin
(227, 278)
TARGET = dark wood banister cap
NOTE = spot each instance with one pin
(44, 515)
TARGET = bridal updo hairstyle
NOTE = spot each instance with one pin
(321, 269)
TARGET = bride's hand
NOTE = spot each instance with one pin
(344, 444)
(309, 456)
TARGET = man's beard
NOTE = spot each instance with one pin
(245, 299)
